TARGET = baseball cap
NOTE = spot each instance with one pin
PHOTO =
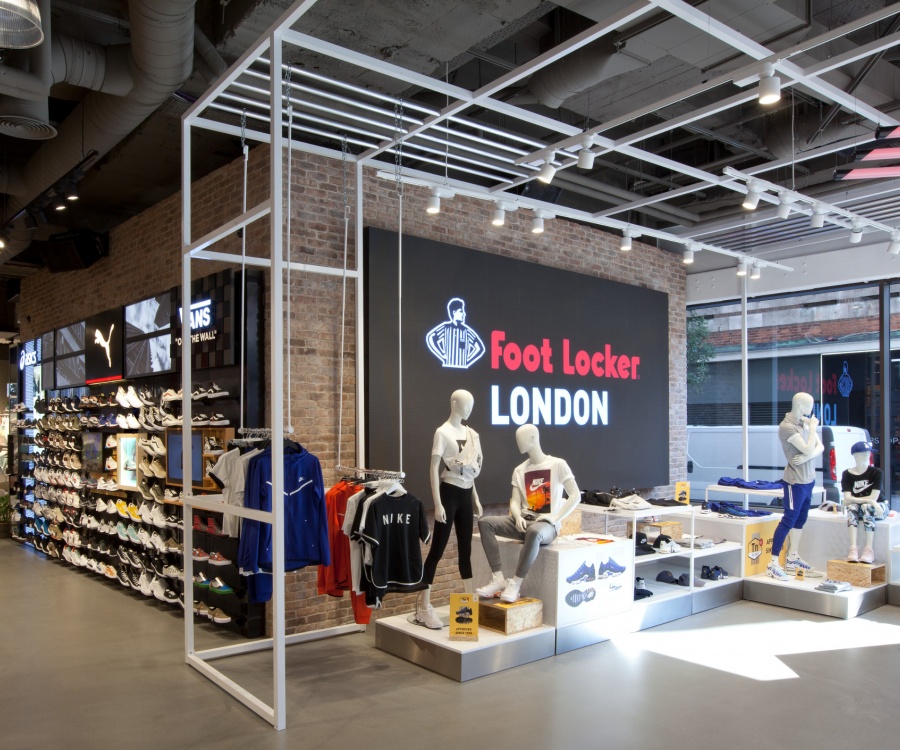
(863, 446)
(642, 546)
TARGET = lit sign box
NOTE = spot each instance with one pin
(585, 359)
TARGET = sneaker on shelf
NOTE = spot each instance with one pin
(213, 528)
(111, 464)
(199, 554)
(146, 445)
(216, 558)
(156, 493)
(212, 447)
(172, 571)
(132, 398)
(774, 570)
(198, 524)
(174, 521)
(201, 581)
(122, 508)
(144, 468)
(208, 468)
(134, 579)
(132, 422)
(133, 559)
(144, 538)
(121, 422)
(511, 592)
(198, 393)
(159, 447)
(170, 420)
(219, 586)
(218, 420)
(218, 616)
(111, 485)
(174, 546)
(794, 562)
(159, 589)
(159, 471)
(214, 391)
(492, 589)
(157, 541)
(144, 421)
(157, 565)
(145, 396)
(170, 394)
(122, 398)
(867, 555)
(144, 489)
(200, 420)
(134, 512)
(158, 517)
(428, 618)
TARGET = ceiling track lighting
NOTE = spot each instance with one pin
(627, 235)
(856, 234)
(751, 199)
(498, 217)
(742, 268)
(688, 256)
(4, 239)
(785, 201)
(586, 156)
(537, 225)
(30, 221)
(769, 91)
(58, 202)
(817, 220)
(548, 171)
(70, 189)
(894, 244)
(433, 204)
(755, 272)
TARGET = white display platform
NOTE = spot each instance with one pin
(725, 489)
(825, 537)
(462, 660)
(802, 595)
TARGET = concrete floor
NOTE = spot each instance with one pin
(89, 665)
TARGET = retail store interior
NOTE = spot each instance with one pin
(397, 372)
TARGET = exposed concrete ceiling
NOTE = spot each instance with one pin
(474, 42)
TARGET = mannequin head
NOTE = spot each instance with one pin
(802, 405)
(461, 403)
(862, 454)
(527, 438)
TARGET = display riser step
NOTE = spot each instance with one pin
(727, 592)
(844, 605)
(462, 661)
(893, 595)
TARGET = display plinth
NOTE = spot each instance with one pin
(893, 596)
(509, 618)
(802, 595)
(717, 594)
(859, 574)
(462, 660)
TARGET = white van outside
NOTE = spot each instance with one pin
(714, 452)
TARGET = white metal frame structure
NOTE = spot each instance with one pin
(487, 162)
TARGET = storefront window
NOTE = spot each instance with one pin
(825, 344)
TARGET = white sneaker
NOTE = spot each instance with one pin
(111, 464)
(158, 517)
(144, 467)
(121, 421)
(133, 424)
(122, 398)
(159, 471)
(158, 445)
(511, 592)
(428, 618)
(144, 537)
(133, 400)
(492, 589)
(172, 395)
(867, 555)
(794, 562)
(146, 445)
(777, 572)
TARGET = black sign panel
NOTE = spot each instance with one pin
(103, 346)
(584, 359)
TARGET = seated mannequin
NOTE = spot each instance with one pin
(861, 485)
(801, 446)
(455, 464)
(536, 510)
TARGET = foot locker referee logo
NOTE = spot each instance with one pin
(453, 342)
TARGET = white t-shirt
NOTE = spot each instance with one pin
(231, 471)
(541, 485)
(460, 461)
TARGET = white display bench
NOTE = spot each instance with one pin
(825, 538)
(893, 576)
(547, 581)
(462, 660)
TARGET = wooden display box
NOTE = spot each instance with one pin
(672, 529)
(571, 524)
(507, 618)
(856, 574)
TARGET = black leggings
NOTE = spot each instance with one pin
(459, 508)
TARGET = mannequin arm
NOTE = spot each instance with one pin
(515, 509)
(440, 515)
(568, 504)
(476, 503)
(809, 448)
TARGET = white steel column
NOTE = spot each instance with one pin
(745, 390)
(276, 368)
(360, 323)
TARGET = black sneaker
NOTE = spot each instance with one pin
(122, 554)
(122, 576)
(134, 579)
(103, 548)
(171, 597)
(134, 559)
(157, 565)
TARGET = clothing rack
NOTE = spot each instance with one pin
(362, 473)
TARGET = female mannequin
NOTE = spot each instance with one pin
(455, 464)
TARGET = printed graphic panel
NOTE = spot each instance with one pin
(584, 359)
(103, 355)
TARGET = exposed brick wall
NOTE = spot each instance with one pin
(145, 258)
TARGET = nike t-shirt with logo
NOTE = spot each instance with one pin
(541, 484)
(861, 485)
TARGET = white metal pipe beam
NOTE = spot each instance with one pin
(851, 56)
(234, 690)
(267, 263)
(238, 222)
(360, 320)
(263, 644)
(210, 502)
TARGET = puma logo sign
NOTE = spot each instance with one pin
(98, 339)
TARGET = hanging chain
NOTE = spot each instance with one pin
(343, 295)
(244, 152)
(398, 169)
(398, 150)
(286, 94)
(243, 129)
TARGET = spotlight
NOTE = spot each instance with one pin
(625, 244)
(769, 86)
(434, 202)
(742, 268)
(548, 171)
(688, 256)
(20, 24)
(498, 217)
(4, 239)
(586, 156)
(751, 199)
(894, 246)
(756, 272)
(537, 225)
(817, 220)
(30, 221)
(71, 191)
(784, 205)
(58, 203)
(856, 234)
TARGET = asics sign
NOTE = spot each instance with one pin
(27, 359)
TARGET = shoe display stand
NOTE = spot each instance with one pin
(207, 460)
(462, 660)
(825, 537)
(747, 494)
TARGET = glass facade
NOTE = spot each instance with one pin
(824, 343)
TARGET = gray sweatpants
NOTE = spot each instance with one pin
(538, 533)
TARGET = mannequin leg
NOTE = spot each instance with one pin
(425, 599)
(468, 585)
(794, 543)
(852, 523)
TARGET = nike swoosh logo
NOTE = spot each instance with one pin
(536, 484)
